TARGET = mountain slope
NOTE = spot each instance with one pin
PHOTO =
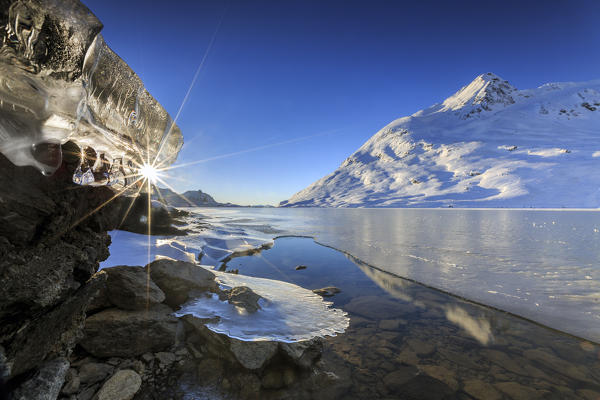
(488, 145)
(195, 198)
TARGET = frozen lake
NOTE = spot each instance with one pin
(541, 265)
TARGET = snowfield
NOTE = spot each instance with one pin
(488, 145)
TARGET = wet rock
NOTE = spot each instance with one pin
(130, 288)
(442, 374)
(177, 278)
(120, 333)
(72, 383)
(135, 365)
(121, 386)
(242, 297)
(165, 358)
(54, 333)
(328, 291)
(94, 372)
(375, 307)
(277, 378)
(557, 364)
(394, 380)
(46, 383)
(407, 356)
(147, 357)
(481, 390)
(424, 387)
(588, 394)
(391, 324)
(252, 355)
(305, 353)
(421, 347)
(517, 391)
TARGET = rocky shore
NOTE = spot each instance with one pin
(67, 331)
(132, 344)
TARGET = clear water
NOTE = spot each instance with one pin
(541, 265)
(403, 334)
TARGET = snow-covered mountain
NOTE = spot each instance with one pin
(488, 145)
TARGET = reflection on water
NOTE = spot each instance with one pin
(542, 265)
(409, 341)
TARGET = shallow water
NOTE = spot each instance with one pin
(403, 334)
(539, 264)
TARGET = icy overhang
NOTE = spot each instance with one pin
(60, 82)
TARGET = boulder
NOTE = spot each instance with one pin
(327, 291)
(305, 353)
(46, 383)
(130, 288)
(242, 297)
(54, 333)
(252, 355)
(178, 278)
(121, 333)
(94, 372)
(121, 386)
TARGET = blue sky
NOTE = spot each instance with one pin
(306, 83)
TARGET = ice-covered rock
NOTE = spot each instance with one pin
(60, 81)
(288, 313)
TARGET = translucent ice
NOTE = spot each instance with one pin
(288, 312)
(60, 82)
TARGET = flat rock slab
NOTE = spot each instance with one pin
(121, 386)
(178, 278)
(121, 333)
(130, 288)
(46, 383)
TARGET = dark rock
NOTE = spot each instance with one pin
(277, 378)
(46, 383)
(130, 288)
(120, 333)
(242, 297)
(94, 372)
(327, 291)
(72, 383)
(424, 387)
(121, 386)
(54, 333)
(394, 380)
(178, 278)
(305, 353)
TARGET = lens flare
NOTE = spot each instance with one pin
(149, 172)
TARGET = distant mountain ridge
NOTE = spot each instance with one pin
(488, 145)
(191, 198)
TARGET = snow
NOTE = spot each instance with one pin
(488, 145)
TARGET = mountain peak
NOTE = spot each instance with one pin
(483, 93)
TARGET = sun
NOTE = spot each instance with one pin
(149, 172)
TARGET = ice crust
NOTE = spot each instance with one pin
(288, 312)
(60, 82)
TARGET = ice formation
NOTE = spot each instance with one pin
(488, 145)
(60, 82)
(288, 312)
